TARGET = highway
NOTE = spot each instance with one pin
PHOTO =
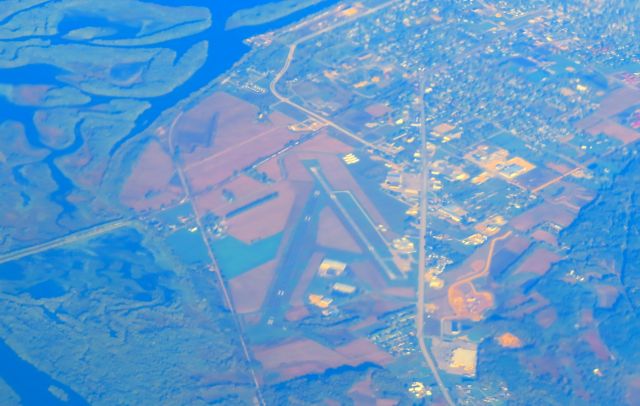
(214, 264)
(292, 50)
(68, 239)
(422, 250)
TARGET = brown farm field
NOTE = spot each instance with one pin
(223, 134)
(617, 102)
(244, 190)
(267, 218)
(536, 177)
(249, 290)
(615, 130)
(545, 212)
(602, 121)
(599, 348)
(571, 195)
(607, 295)
(219, 166)
(545, 236)
(219, 123)
(333, 234)
(149, 184)
(305, 356)
(368, 272)
(546, 317)
(538, 262)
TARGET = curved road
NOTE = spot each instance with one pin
(292, 50)
(487, 264)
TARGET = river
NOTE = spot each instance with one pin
(225, 48)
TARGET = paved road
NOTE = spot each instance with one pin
(485, 270)
(422, 248)
(68, 239)
(292, 50)
(471, 277)
(214, 264)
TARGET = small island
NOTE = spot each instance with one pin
(267, 13)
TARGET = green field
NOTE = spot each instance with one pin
(235, 257)
(188, 246)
